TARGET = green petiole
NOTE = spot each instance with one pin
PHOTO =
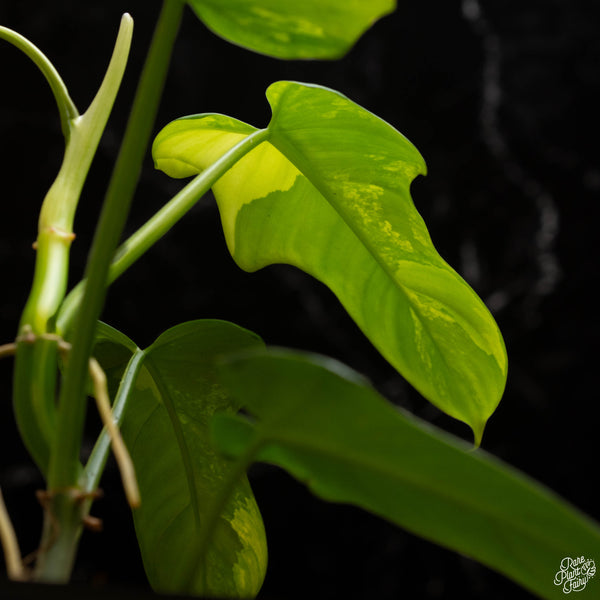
(64, 468)
(64, 465)
(90, 477)
(66, 108)
(156, 227)
(36, 362)
(55, 226)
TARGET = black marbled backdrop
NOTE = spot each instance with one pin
(501, 97)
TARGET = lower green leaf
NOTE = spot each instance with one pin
(180, 473)
(331, 430)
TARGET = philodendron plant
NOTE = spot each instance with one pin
(324, 186)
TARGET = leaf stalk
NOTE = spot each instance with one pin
(64, 464)
(158, 225)
(66, 108)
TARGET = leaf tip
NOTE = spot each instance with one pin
(478, 429)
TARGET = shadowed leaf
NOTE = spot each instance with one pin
(327, 427)
(179, 471)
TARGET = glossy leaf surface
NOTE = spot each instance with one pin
(179, 472)
(327, 427)
(329, 193)
(292, 29)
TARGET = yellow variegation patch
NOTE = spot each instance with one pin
(329, 192)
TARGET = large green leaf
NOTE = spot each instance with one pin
(330, 429)
(180, 473)
(329, 193)
(292, 28)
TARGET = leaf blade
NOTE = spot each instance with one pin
(329, 193)
(287, 29)
(178, 470)
(334, 433)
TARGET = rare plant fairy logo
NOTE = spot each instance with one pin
(574, 573)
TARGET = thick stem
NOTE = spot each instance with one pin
(49, 279)
(58, 209)
(55, 227)
(63, 524)
(64, 463)
(36, 365)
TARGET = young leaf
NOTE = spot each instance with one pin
(179, 472)
(292, 29)
(329, 193)
(328, 428)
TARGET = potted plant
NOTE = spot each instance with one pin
(324, 186)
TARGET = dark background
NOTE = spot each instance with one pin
(500, 97)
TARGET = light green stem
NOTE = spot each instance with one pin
(90, 478)
(154, 229)
(55, 226)
(64, 511)
(64, 461)
(63, 524)
(36, 365)
(58, 548)
(67, 110)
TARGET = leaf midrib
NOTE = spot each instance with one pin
(463, 502)
(319, 186)
(179, 435)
